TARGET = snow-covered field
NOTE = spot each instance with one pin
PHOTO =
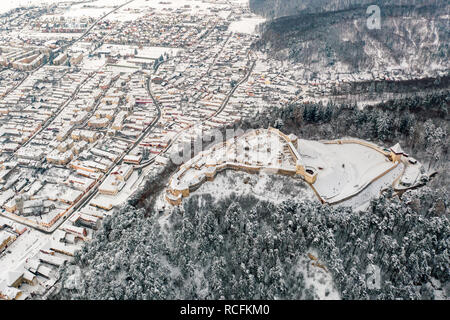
(362, 199)
(93, 63)
(85, 12)
(344, 169)
(93, 9)
(8, 5)
(264, 186)
(156, 52)
(192, 6)
(246, 25)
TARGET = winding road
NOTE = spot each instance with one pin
(222, 107)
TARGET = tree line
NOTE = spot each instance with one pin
(419, 123)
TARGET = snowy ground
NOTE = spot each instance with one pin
(362, 200)
(318, 279)
(264, 186)
(9, 5)
(343, 169)
(93, 63)
(94, 9)
(246, 25)
(195, 6)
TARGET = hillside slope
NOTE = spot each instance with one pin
(279, 8)
(245, 248)
(413, 39)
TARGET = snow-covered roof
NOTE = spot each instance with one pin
(397, 149)
(4, 236)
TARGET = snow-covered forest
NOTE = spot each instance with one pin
(280, 8)
(412, 37)
(245, 248)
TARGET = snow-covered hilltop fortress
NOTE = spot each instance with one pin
(337, 170)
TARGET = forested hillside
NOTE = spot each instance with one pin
(244, 248)
(279, 8)
(413, 37)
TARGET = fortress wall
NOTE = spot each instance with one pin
(365, 186)
(354, 141)
(254, 169)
